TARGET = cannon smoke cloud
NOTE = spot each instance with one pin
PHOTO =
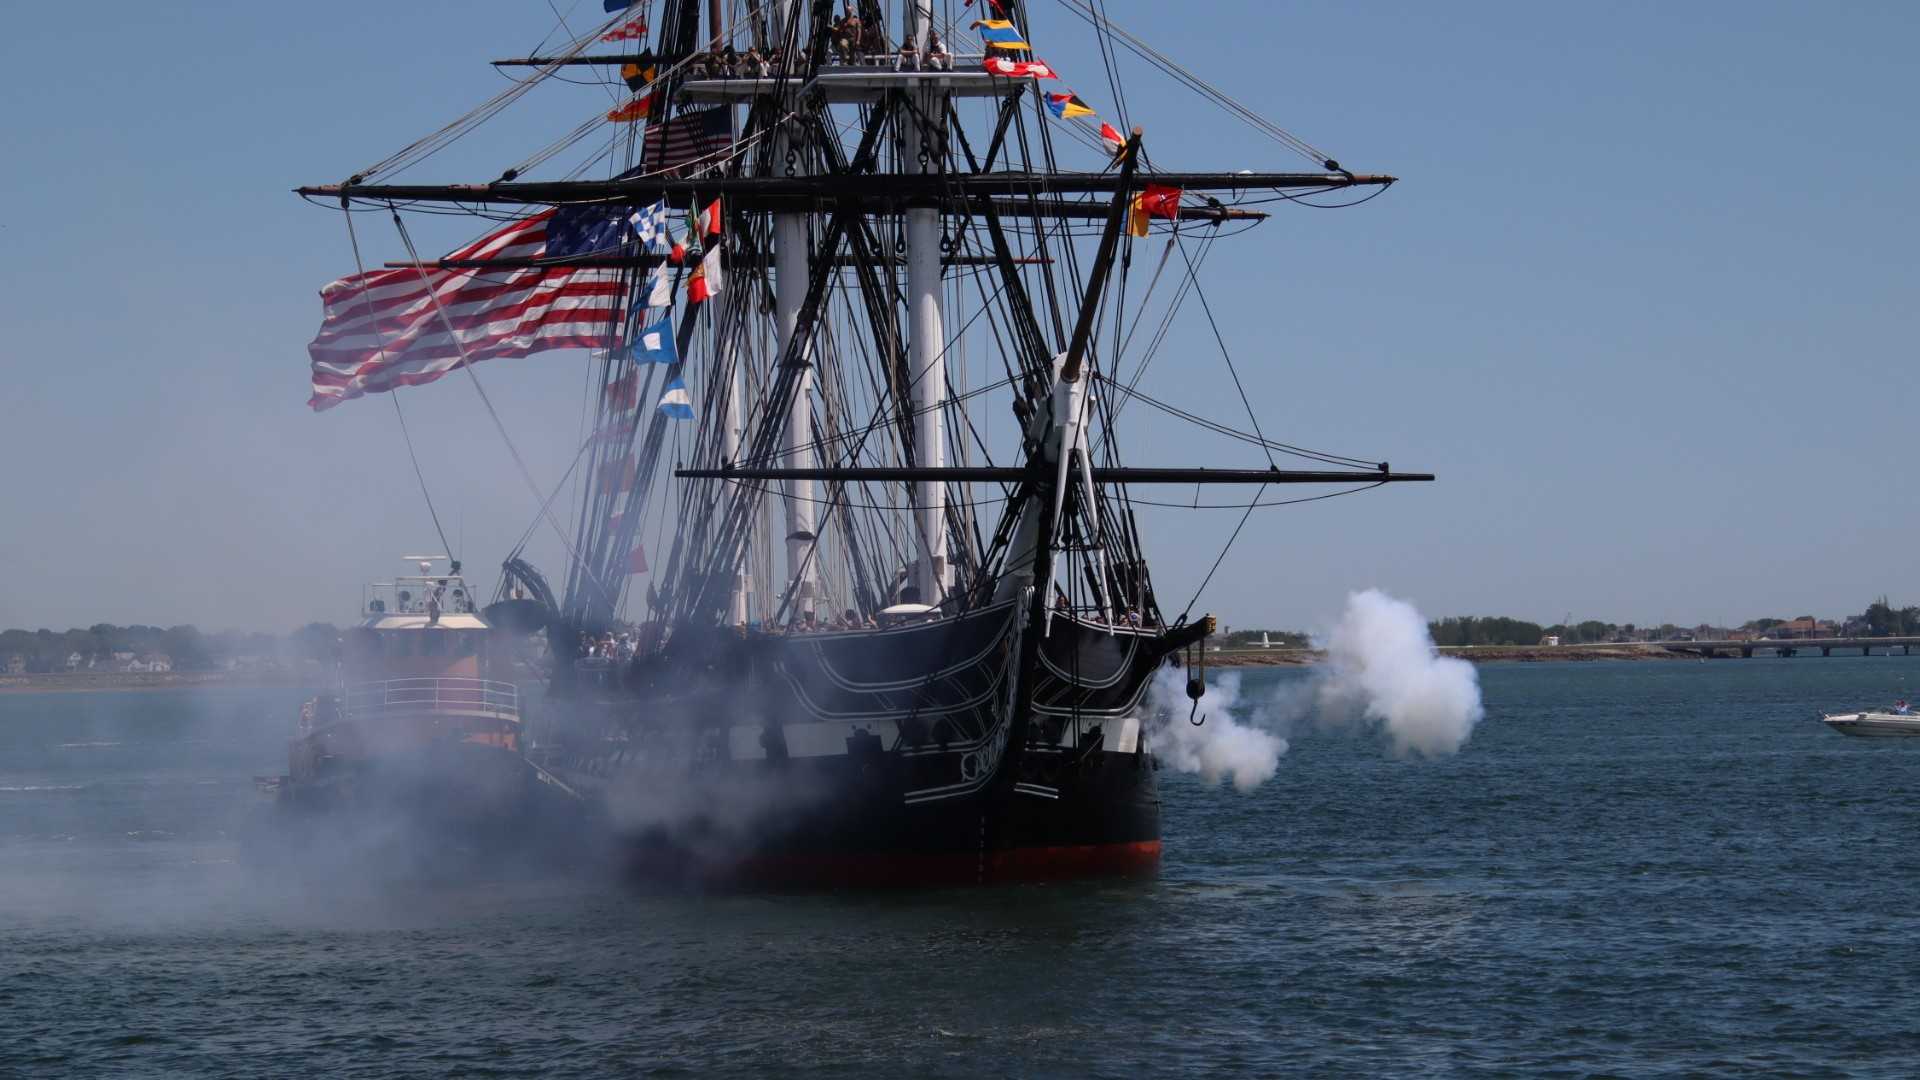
(1383, 670)
(1382, 673)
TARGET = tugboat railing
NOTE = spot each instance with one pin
(448, 694)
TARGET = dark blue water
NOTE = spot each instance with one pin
(1631, 869)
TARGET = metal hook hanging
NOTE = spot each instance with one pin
(1196, 688)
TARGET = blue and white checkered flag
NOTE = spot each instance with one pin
(650, 224)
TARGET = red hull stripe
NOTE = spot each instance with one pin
(904, 870)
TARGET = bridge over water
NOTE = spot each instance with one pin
(1794, 646)
(1619, 650)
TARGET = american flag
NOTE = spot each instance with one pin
(382, 329)
(687, 138)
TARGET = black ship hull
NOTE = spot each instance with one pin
(843, 825)
(806, 761)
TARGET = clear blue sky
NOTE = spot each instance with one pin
(1645, 300)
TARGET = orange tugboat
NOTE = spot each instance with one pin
(420, 738)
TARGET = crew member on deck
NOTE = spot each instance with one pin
(846, 35)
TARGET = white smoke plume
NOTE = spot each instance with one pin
(1382, 668)
(1381, 671)
(1222, 748)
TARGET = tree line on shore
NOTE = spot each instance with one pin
(182, 648)
(1247, 639)
(1881, 619)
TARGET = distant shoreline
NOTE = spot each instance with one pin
(83, 682)
(1478, 654)
(108, 682)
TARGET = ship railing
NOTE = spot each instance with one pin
(448, 694)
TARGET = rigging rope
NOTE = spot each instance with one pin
(452, 553)
(1228, 357)
(1221, 429)
(467, 365)
(1194, 82)
(1228, 546)
(360, 268)
(1256, 504)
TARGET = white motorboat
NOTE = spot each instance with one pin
(1873, 723)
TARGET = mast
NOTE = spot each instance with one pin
(924, 152)
(737, 607)
(731, 425)
(808, 207)
(791, 272)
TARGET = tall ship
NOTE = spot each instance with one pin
(856, 592)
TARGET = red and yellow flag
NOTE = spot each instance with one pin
(636, 109)
(1155, 202)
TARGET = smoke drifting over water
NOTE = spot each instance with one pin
(138, 811)
(1222, 748)
(1382, 668)
(1382, 672)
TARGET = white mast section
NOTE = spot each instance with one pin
(923, 152)
(790, 272)
(730, 437)
(917, 30)
(733, 423)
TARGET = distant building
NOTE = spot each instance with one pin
(1802, 628)
(17, 664)
(1550, 639)
(74, 661)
